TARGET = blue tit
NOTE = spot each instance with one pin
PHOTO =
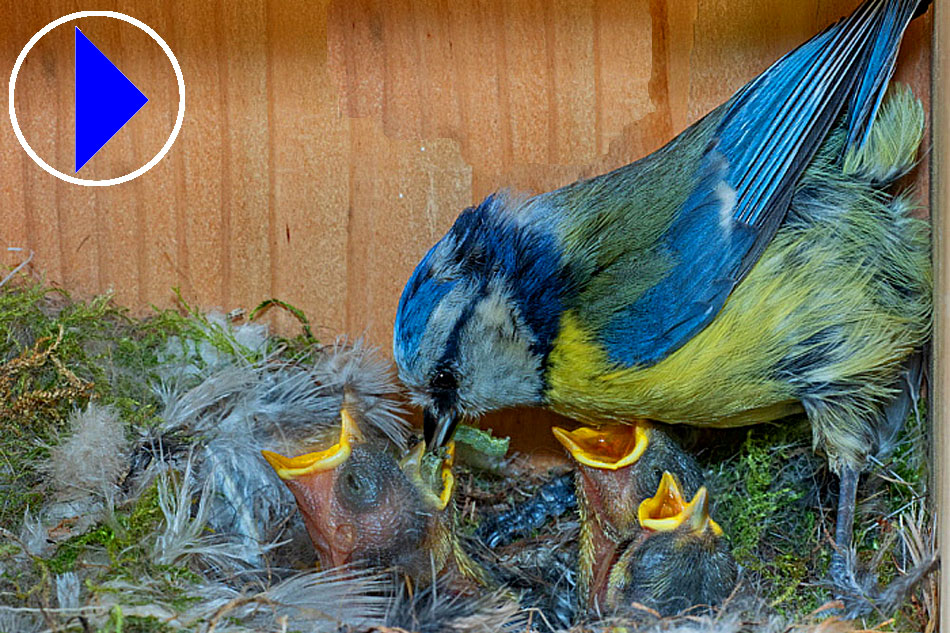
(756, 266)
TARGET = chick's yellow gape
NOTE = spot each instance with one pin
(641, 541)
(362, 506)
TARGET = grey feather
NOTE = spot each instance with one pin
(93, 456)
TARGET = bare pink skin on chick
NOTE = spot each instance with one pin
(334, 540)
(363, 511)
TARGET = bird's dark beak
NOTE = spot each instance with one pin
(438, 429)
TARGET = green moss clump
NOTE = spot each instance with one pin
(58, 353)
(776, 500)
(764, 493)
(122, 539)
(150, 624)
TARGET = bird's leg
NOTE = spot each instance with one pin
(842, 573)
(862, 596)
(551, 501)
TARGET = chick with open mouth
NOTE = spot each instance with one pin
(364, 505)
(641, 541)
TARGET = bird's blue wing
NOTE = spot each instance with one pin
(765, 139)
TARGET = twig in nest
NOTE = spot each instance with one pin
(18, 267)
(293, 310)
(240, 601)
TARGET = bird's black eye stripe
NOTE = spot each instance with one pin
(443, 381)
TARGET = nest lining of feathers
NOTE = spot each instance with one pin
(126, 503)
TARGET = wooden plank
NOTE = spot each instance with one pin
(201, 154)
(433, 178)
(940, 206)
(532, 94)
(43, 232)
(245, 95)
(310, 254)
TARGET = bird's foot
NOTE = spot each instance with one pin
(551, 500)
(860, 593)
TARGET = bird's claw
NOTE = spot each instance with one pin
(861, 595)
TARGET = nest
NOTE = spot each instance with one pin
(133, 496)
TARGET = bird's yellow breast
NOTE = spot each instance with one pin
(727, 374)
(702, 383)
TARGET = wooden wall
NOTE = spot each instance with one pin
(327, 145)
(940, 378)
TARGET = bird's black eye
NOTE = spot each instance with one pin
(353, 484)
(443, 381)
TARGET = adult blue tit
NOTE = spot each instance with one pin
(756, 266)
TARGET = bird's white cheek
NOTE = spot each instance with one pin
(497, 366)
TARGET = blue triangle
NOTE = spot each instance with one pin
(105, 99)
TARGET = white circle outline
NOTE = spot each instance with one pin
(86, 182)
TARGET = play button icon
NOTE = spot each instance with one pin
(105, 99)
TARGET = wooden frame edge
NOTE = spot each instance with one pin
(940, 217)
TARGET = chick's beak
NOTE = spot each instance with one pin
(610, 448)
(288, 468)
(667, 510)
(411, 465)
(312, 478)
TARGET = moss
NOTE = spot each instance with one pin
(142, 519)
(67, 554)
(58, 353)
(150, 624)
(774, 496)
(122, 539)
(762, 492)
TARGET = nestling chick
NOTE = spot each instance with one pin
(679, 561)
(361, 505)
(753, 268)
(619, 468)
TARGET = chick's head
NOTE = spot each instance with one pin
(680, 560)
(620, 466)
(362, 505)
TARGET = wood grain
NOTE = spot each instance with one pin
(940, 200)
(327, 145)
